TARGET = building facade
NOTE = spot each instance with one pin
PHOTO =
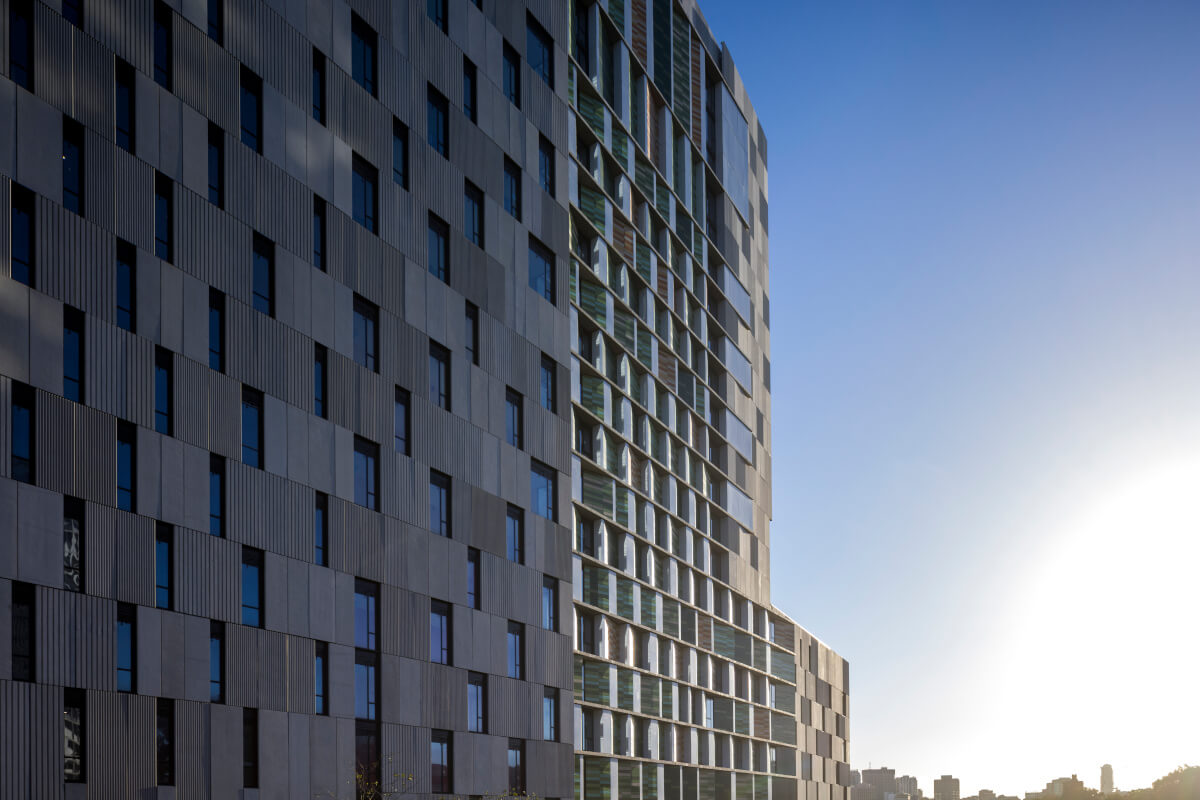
(945, 788)
(386, 398)
(1106, 779)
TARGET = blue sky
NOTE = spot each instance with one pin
(985, 281)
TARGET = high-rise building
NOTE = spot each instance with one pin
(945, 788)
(908, 785)
(1106, 779)
(243, 241)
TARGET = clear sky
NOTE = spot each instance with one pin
(985, 304)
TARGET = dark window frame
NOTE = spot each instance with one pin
(366, 333)
(477, 686)
(318, 86)
(253, 614)
(216, 469)
(514, 418)
(125, 100)
(216, 21)
(473, 223)
(548, 384)
(23, 446)
(364, 49)
(511, 74)
(216, 661)
(539, 50)
(127, 443)
(400, 160)
(24, 631)
(440, 376)
(512, 188)
(216, 165)
(366, 453)
(216, 325)
(542, 271)
(438, 242)
(514, 534)
(441, 623)
(74, 735)
(74, 535)
(546, 165)
(263, 287)
(74, 166)
(21, 43)
(471, 332)
(549, 603)
(515, 655)
(127, 616)
(163, 67)
(250, 750)
(164, 741)
(321, 529)
(441, 487)
(538, 470)
(441, 761)
(470, 90)
(252, 401)
(164, 391)
(164, 566)
(320, 232)
(164, 217)
(437, 121)
(402, 421)
(474, 579)
(437, 13)
(365, 184)
(320, 380)
(251, 96)
(23, 215)
(74, 354)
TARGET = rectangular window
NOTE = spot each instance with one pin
(511, 76)
(436, 9)
(164, 566)
(73, 731)
(321, 530)
(476, 702)
(252, 431)
(318, 86)
(399, 153)
(73, 322)
(162, 45)
(440, 758)
(164, 201)
(126, 647)
(216, 20)
(126, 106)
(252, 587)
(126, 289)
(365, 200)
(439, 375)
(126, 466)
(539, 48)
(512, 188)
(216, 495)
(438, 122)
(366, 473)
(216, 165)
(23, 420)
(439, 632)
(516, 766)
(320, 373)
(471, 332)
(362, 47)
(470, 104)
(546, 165)
(403, 421)
(550, 715)
(366, 333)
(473, 214)
(23, 631)
(541, 270)
(514, 534)
(366, 603)
(20, 43)
(547, 384)
(516, 639)
(439, 503)
(439, 248)
(264, 275)
(73, 511)
(321, 679)
(164, 391)
(366, 684)
(251, 110)
(22, 244)
(513, 422)
(164, 740)
(216, 662)
(474, 575)
(549, 603)
(543, 490)
(216, 330)
(72, 166)
(366, 757)
(250, 748)
(319, 214)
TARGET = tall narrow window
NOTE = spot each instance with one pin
(514, 534)
(439, 375)
(540, 49)
(439, 632)
(252, 432)
(365, 202)
(216, 165)
(73, 354)
(470, 104)
(439, 248)
(516, 766)
(366, 473)
(516, 644)
(362, 51)
(126, 647)
(471, 332)
(366, 602)
(22, 245)
(73, 730)
(549, 603)
(546, 384)
(366, 755)
(541, 269)
(321, 679)
(126, 106)
(366, 333)
(23, 421)
(437, 122)
(543, 488)
(550, 714)
(126, 466)
(513, 413)
(399, 153)
(250, 748)
(20, 43)
(476, 702)
(439, 503)
(216, 494)
(252, 587)
(216, 330)
(511, 75)
(73, 544)
(474, 597)
(436, 10)
(216, 20)
(72, 158)
(320, 380)
(319, 215)
(473, 214)
(126, 289)
(162, 45)
(23, 631)
(403, 423)
(440, 762)
(264, 275)
(164, 391)
(546, 165)
(164, 201)
(251, 110)
(164, 739)
(512, 188)
(318, 86)
(321, 530)
(216, 662)
(366, 684)
(164, 566)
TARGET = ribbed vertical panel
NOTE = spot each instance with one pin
(209, 575)
(443, 696)
(75, 640)
(120, 736)
(301, 656)
(404, 623)
(75, 255)
(55, 433)
(133, 199)
(273, 675)
(267, 511)
(281, 362)
(241, 685)
(119, 369)
(214, 247)
(52, 54)
(408, 749)
(193, 754)
(124, 26)
(94, 82)
(30, 741)
(359, 546)
(119, 555)
(5, 424)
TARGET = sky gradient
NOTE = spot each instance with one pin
(985, 296)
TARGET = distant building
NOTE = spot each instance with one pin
(945, 788)
(855, 777)
(865, 791)
(1057, 788)
(986, 794)
(908, 785)
(883, 779)
(1106, 782)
